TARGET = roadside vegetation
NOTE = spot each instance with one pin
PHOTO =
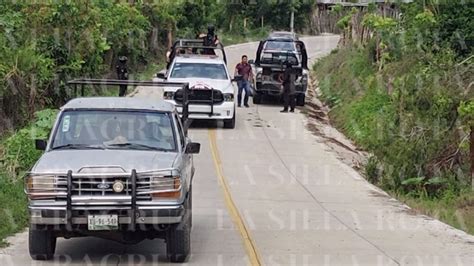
(18, 153)
(402, 89)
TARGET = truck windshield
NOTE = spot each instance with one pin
(280, 46)
(199, 70)
(95, 129)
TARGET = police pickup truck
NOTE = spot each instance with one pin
(114, 168)
(212, 90)
(269, 65)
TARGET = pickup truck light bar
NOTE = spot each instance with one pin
(194, 44)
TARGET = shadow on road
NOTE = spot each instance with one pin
(93, 251)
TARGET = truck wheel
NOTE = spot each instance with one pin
(230, 123)
(42, 244)
(178, 239)
(257, 98)
(300, 99)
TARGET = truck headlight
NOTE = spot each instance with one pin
(44, 186)
(168, 95)
(165, 187)
(228, 97)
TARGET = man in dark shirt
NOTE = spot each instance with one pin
(244, 69)
(289, 90)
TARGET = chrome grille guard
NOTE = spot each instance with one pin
(63, 185)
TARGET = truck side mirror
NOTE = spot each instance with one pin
(251, 61)
(161, 75)
(193, 148)
(41, 144)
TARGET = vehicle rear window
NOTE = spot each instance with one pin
(278, 58)
(199, 70)
(280, 46)
(115, 130)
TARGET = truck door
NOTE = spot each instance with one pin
(304, 56)
(259, 52)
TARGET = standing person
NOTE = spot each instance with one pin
(288, 80)
(244, 69)
(210, 40)
(122, 74)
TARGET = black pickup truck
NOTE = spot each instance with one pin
(269, 65)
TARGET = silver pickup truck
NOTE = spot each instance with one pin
(115, 168)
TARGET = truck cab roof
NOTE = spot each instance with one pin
(115, 103)
(196, 58)
(282, 35)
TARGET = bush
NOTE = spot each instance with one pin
(19, 152)
(407, 115)
(12, 207)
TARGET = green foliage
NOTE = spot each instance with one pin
(371, 169)
(435, 25)
(453, 208)
(275, 14)
(466, 111)
(246, 36)
(405, 115)
(19, 152)
(414, 114)
(12, 208)
(344, 21)
(379, 23)
(45, 44)
(336, 9)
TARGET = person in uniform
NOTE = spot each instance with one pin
(122, 74)
(210, 40)
(288, 80)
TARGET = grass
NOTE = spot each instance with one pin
(12, 208)
(455, 210)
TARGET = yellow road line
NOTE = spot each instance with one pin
(233, 211)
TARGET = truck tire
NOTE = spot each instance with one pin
(230, 123)
(178, 238)
(42, 244)
(300, 99)
(257, 98)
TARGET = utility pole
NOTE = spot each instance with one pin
(292, 19)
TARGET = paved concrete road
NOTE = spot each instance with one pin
(268, 192)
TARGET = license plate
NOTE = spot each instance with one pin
(102, 222)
